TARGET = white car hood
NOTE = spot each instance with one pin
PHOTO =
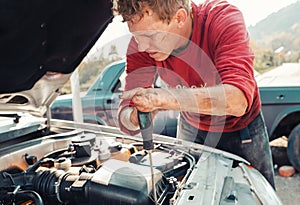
(36, 100)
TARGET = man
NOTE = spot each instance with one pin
(202, 52)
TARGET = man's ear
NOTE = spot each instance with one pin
(181, 16)
(148, 11)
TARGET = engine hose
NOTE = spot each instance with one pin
(28, 195)
(191, 160)
(61, 187)
(49, 156)
(44, 183)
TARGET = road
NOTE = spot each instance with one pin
(288, 188)
(285, 75)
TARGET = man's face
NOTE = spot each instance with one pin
(155, 37)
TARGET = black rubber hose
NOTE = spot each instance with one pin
(29, 195)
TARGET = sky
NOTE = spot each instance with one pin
(253, 11)
(256, 10)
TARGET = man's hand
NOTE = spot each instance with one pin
(133, 117)
(144, 99)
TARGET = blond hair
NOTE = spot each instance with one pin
(165, 9)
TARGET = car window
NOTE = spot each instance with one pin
(120, 85)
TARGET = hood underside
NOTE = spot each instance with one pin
(41, 36)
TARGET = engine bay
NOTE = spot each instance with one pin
(82, 164)
(91, 169)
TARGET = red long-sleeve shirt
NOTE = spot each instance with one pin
(219, 53)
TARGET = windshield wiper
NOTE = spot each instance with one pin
(16, 116)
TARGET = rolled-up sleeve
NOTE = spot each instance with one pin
(233, 56)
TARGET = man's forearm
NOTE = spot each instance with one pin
(218, 100)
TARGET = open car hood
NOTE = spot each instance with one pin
(42, 42)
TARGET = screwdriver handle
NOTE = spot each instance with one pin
(146, 127)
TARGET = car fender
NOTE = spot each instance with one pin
(94, 119)
(281, 116)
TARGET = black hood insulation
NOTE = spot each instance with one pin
(37, 36)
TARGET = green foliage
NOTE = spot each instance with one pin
(276, 39)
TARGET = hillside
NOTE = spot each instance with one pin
(276, 39)
(279, 29)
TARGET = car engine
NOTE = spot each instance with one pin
(81, 163)
(92, 169)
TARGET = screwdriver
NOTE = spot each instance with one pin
(146, 128)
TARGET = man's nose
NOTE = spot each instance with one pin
(143, 44)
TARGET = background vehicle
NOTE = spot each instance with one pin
(280, 95)
(100, 102)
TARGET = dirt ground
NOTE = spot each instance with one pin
(288, 188)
